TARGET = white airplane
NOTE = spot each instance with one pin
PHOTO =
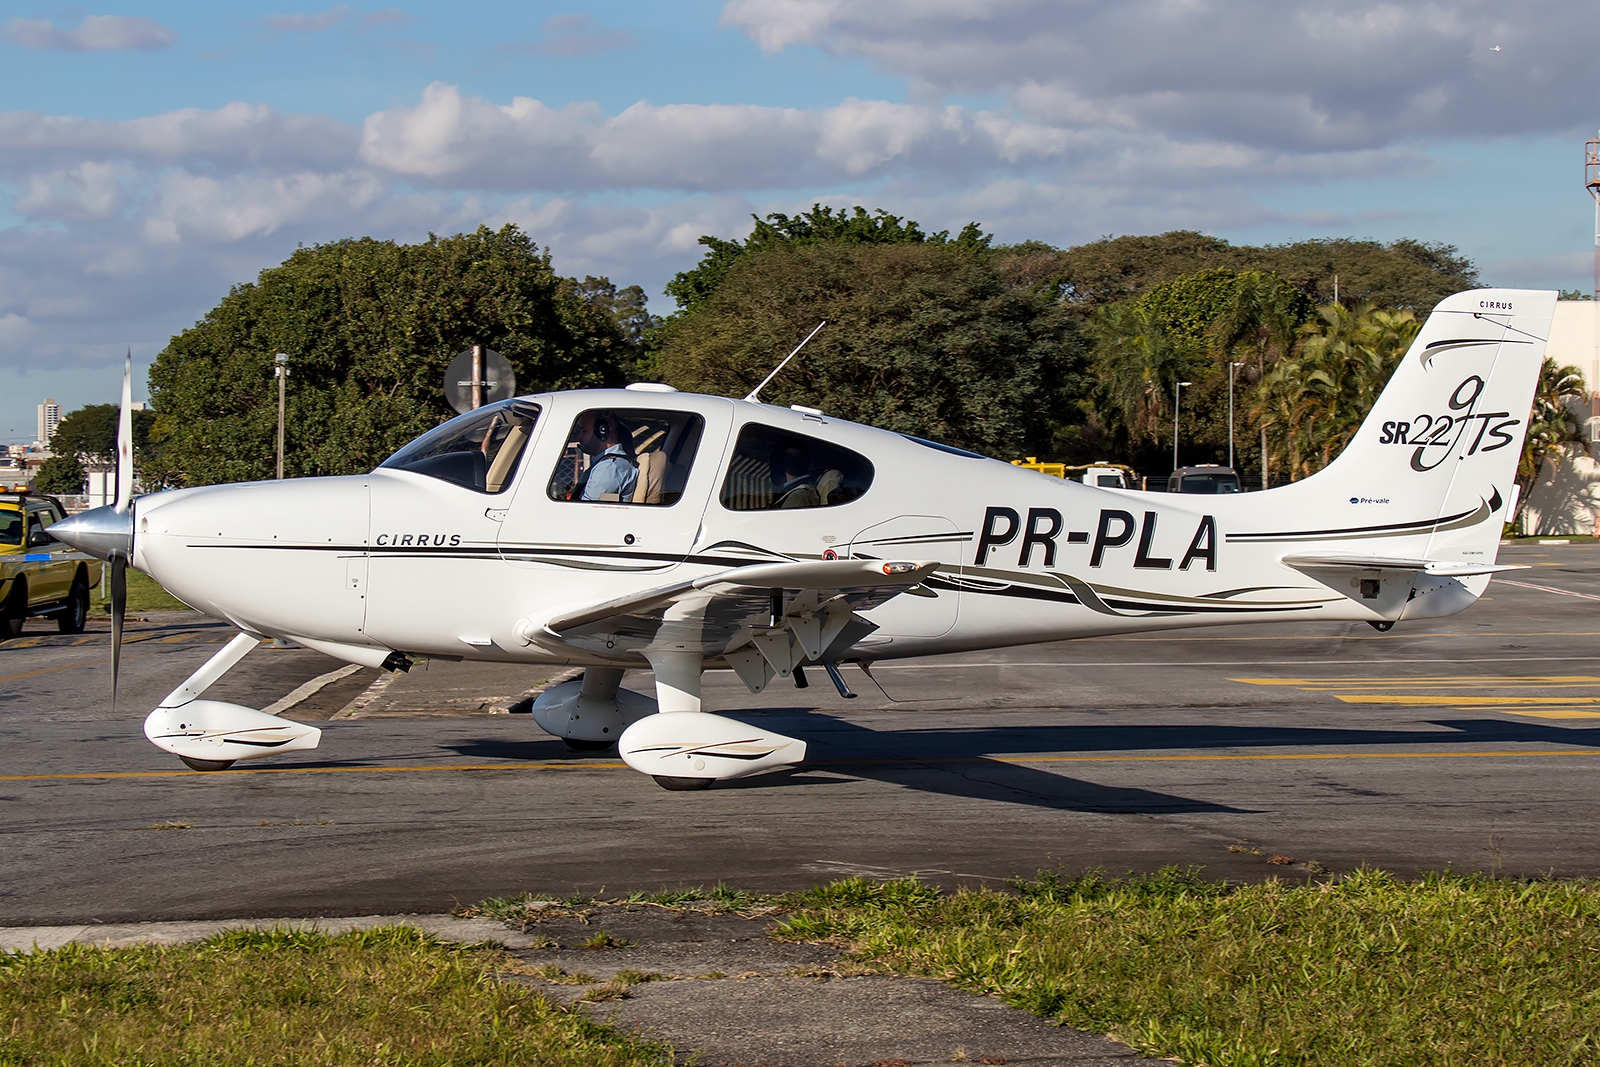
(619, 530)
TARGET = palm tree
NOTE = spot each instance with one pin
(1318, 397)
(1551, 424)
(1136, 361)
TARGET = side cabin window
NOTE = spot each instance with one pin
(775, 469)
(10, 527)
(627, 456)
(479, 450)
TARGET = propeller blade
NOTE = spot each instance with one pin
(125, 439)
(119, 606)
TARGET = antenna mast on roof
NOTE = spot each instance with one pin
(755, 394)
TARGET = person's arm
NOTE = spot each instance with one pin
(612, 475)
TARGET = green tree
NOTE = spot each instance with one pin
(90, 433)
(60, 474)
(923, 337)
(1312, 402)
(1188, 329)
(694, 287)
(1405, 273)
(1137, 363)
(369, 327)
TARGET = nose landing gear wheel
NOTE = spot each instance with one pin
(682, 785)
(206, 764)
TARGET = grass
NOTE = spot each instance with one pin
(1368, 969)
(376, 998)
(144, 594)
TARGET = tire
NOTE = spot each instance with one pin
(75, 616)
(206, 764)
(14, 611)
(579, 745)
(682, 785)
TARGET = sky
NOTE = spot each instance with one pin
(152, 155)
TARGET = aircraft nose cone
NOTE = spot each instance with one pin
(101, 532)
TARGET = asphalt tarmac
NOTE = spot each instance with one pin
(1254, 751)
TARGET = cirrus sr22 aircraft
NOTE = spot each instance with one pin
(761, 539)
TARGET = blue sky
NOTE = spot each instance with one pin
(152, 155)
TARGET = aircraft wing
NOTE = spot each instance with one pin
(764, 619)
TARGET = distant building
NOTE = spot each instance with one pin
(49, 419)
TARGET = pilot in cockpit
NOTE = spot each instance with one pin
(614, 472)
(791, 473)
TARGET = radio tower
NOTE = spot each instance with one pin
(1591, 181)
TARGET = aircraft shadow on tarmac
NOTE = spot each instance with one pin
(957, 762)
(952, 769)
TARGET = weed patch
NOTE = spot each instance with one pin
(1368, 970)
(380, 997)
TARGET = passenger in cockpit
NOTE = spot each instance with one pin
(791, 472)
(614, 472)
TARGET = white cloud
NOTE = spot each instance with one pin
(96, 33)
(308, 23)
(1315, 74)
(467, 141)
(322, 21)
(235, 136)
(202, 208)
(89, 191)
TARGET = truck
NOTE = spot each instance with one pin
(39, 576)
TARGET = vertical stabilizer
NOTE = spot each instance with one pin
(1430, 472)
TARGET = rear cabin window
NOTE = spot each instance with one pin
(627, 456)
(479, 450)
(776, 469)
(10, 527)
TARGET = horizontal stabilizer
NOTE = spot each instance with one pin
(1450, 568)
(1393, 587)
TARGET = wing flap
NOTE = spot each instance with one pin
(794, 607)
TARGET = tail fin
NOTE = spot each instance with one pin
(1431, 471)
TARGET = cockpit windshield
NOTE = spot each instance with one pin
(478, 450)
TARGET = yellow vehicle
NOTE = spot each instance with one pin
(40, 576)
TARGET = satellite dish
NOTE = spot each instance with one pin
(477, 377)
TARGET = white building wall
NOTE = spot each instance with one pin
(1565, 499)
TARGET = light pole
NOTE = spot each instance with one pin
(1233, 368)
(1177, 402)
(1591, 182)
(280, 368)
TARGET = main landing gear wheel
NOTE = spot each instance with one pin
(1382, 627)
(14, 610)
(682, 785)
(578, 745)
(206, 764)
(75, 615)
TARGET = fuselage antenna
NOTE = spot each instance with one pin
(755, 394)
